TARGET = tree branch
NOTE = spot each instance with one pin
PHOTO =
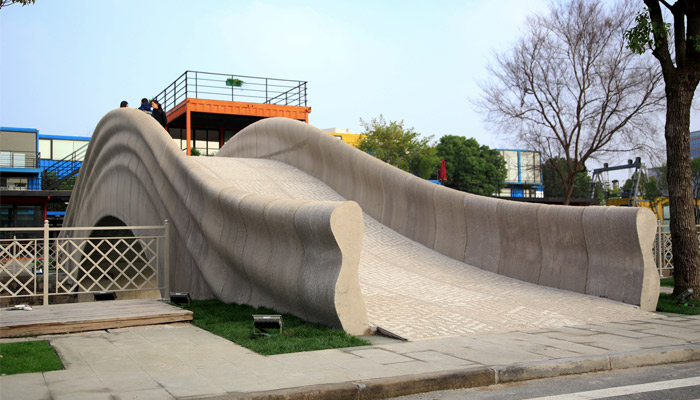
(660, 50)
(670, 7)
(679, 35)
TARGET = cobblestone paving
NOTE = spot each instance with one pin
(417, 293)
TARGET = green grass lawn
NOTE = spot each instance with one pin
(235, 323)
(23, 357)
(669, 305)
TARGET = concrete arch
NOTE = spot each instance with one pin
(295, 256)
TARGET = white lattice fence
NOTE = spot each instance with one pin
(663, 250)
(82, 260)
(18, 263)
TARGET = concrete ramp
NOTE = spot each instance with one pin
(286, 216)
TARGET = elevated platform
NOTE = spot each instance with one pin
(92, 316)
(232, 114)
(207, 109)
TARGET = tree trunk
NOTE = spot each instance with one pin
(569, 185)
(569, 189)
(684, 235)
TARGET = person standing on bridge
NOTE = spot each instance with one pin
(158, 113)
(145, 107)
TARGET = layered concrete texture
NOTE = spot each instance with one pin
(288, 217)
(600, 251)
(295, 256)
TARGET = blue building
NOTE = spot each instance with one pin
(695, 144)
(19, 161)
(32, 169)
(524, 174)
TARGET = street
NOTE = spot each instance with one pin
(674, 381)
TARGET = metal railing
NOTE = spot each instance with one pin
(52, 177)
(663, 250)
(114, 258)
(18, 159)
(252, 89)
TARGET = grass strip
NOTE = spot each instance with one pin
(25, 357)
(669, 305)
(235, 323)
(667, 282)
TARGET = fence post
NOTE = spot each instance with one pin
(46, 262)
(166, 261)
(657, 248)
(660, 250)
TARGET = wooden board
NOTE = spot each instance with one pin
(81, 317)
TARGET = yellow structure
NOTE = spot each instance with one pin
(352, 139)
(659, 207)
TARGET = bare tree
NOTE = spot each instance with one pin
(678, 53)
(571, 89)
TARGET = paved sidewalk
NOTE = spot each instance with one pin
(181, 361)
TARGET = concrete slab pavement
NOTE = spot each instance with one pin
(180, 361)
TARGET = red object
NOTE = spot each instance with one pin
(443, 172)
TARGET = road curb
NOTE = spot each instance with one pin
(551, 368)
(606, 362)
(659, 355)
(380, 388)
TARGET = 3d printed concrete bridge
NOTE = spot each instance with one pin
(288, 217)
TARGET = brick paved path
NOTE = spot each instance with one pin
(417, 293)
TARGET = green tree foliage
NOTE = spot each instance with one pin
(68, 184)
(677, 49)
(399, 146)
(553, 185)
(652, 187)
(51, 178)
(652, 192)
(5, 3)
(660, 182)
(470, 167)
(649, 187)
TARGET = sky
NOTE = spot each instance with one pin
(64, 64)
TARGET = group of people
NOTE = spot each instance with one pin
(153, 108)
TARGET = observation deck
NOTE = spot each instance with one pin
(207, 109)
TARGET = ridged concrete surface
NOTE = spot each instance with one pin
(290, 218)
(300, 257)
(599, 251)
(416, 292)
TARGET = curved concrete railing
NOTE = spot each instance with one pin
(294, 256)
(600, 251)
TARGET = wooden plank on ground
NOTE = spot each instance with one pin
(81, 317)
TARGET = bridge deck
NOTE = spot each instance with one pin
(415, 293)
